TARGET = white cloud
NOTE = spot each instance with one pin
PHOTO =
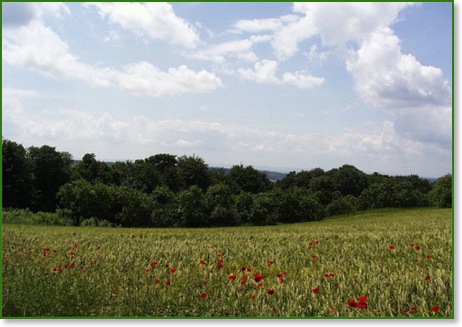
(265, 72)
(147, 80)
(387, 78)
(16, 14)
(37, 48)
(263, 25)
(238, 48)
(151, 20)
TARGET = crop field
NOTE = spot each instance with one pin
(384, 263)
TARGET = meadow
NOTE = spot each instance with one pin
(381, 263)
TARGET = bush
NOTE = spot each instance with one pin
(25, 216)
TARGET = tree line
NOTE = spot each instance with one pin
(165, 190)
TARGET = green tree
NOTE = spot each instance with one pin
(220, 205)
(16, 176)
(265, 209)
(91, 170)
(50, 170)
(441, 194)
(248, 179)
(192, 170)
(165, 210)
(348, 180)
(192, 207)
(243, 204)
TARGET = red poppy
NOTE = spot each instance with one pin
(336, 285)
(316, 290)
(204, 295)
(392, 247)
(317, 242)
(243, 282)
(232, 277)
(72, 265)
(253, 297)
(326, 275)
(314, 256)
(362, 305)
(270, 291)
(427, 277)
(202, 262)
(258, 277)
(281, 280)
(285, 273)
(259, 285)
(362, 298)
(412, 244)
(270, 262)
(352, 303)
(429, 256)
(46, 249)
(406, 311)
(72, 253)
(246, 277)
(219, 265)
(279, 275)
(173, 270)
(414, 309)
(55, 251)
(153, 264)
(147, 270)
(157, 281)
(168, 283)
(243, 268)
(310, 244)
(75, 245)
(219, 255)
(435, 308)
(417, 247)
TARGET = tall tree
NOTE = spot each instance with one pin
(16, 176)
(50, 170)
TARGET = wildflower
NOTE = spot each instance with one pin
(362, 298)
(232, 277)
(314, 256)
(435, 308)
(270, 262)
(204, 295)
(72, 253)
(253, 297)
(220, 264)
(173, 270)
(316, 290)
(427, 277)
(317, 242)
(279, 275)
(392, 247)
(147, 270)
(243, 282)
(202, 262)
(285, 273)
(153, 264)
(270, 291)
(429, 256)
(310, 244)
(281, 280)
(417, 247)
(168, 283)
(412, 244)
(258, 277)
(157, 281)
(219, 255)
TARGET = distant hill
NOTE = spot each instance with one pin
(272, 175)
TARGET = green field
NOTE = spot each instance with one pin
(384, 263)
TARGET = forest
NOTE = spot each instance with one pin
(166, 190)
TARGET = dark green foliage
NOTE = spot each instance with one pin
(441, 195)
(17, 177)
(248, 179)
(164, 190)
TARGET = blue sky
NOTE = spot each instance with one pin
(282, 86)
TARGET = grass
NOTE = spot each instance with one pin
(317, 269)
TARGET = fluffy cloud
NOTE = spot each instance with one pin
(150, 20)
(265, 72)
(387, 78)
(237, 48)
(37, 48)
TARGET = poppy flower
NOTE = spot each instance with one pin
(243, 282)
(173, 270)
(168, 283)
(202, 262)
(310, 244)
(427, 277)
(72, 253)
(232, 277)
(317, 242)
(270, 291)
(392, 247)
(285, 273)
(412, 244)
(281, 280)
(147, 270)
(153, 264)
(417, 247)
(270, 262)
(316, 290)
(204, 295)
(362, 298)
(219, 255)
(406, 311)
(352, 303)
(314, 256)
(258, 277)
(362, 305)
(429, 256)
(279, 275)
(157, 281)
(220, 265)
(435, 308)
(253, 297)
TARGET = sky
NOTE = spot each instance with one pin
(279, 86)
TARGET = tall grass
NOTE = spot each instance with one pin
(391, 263)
